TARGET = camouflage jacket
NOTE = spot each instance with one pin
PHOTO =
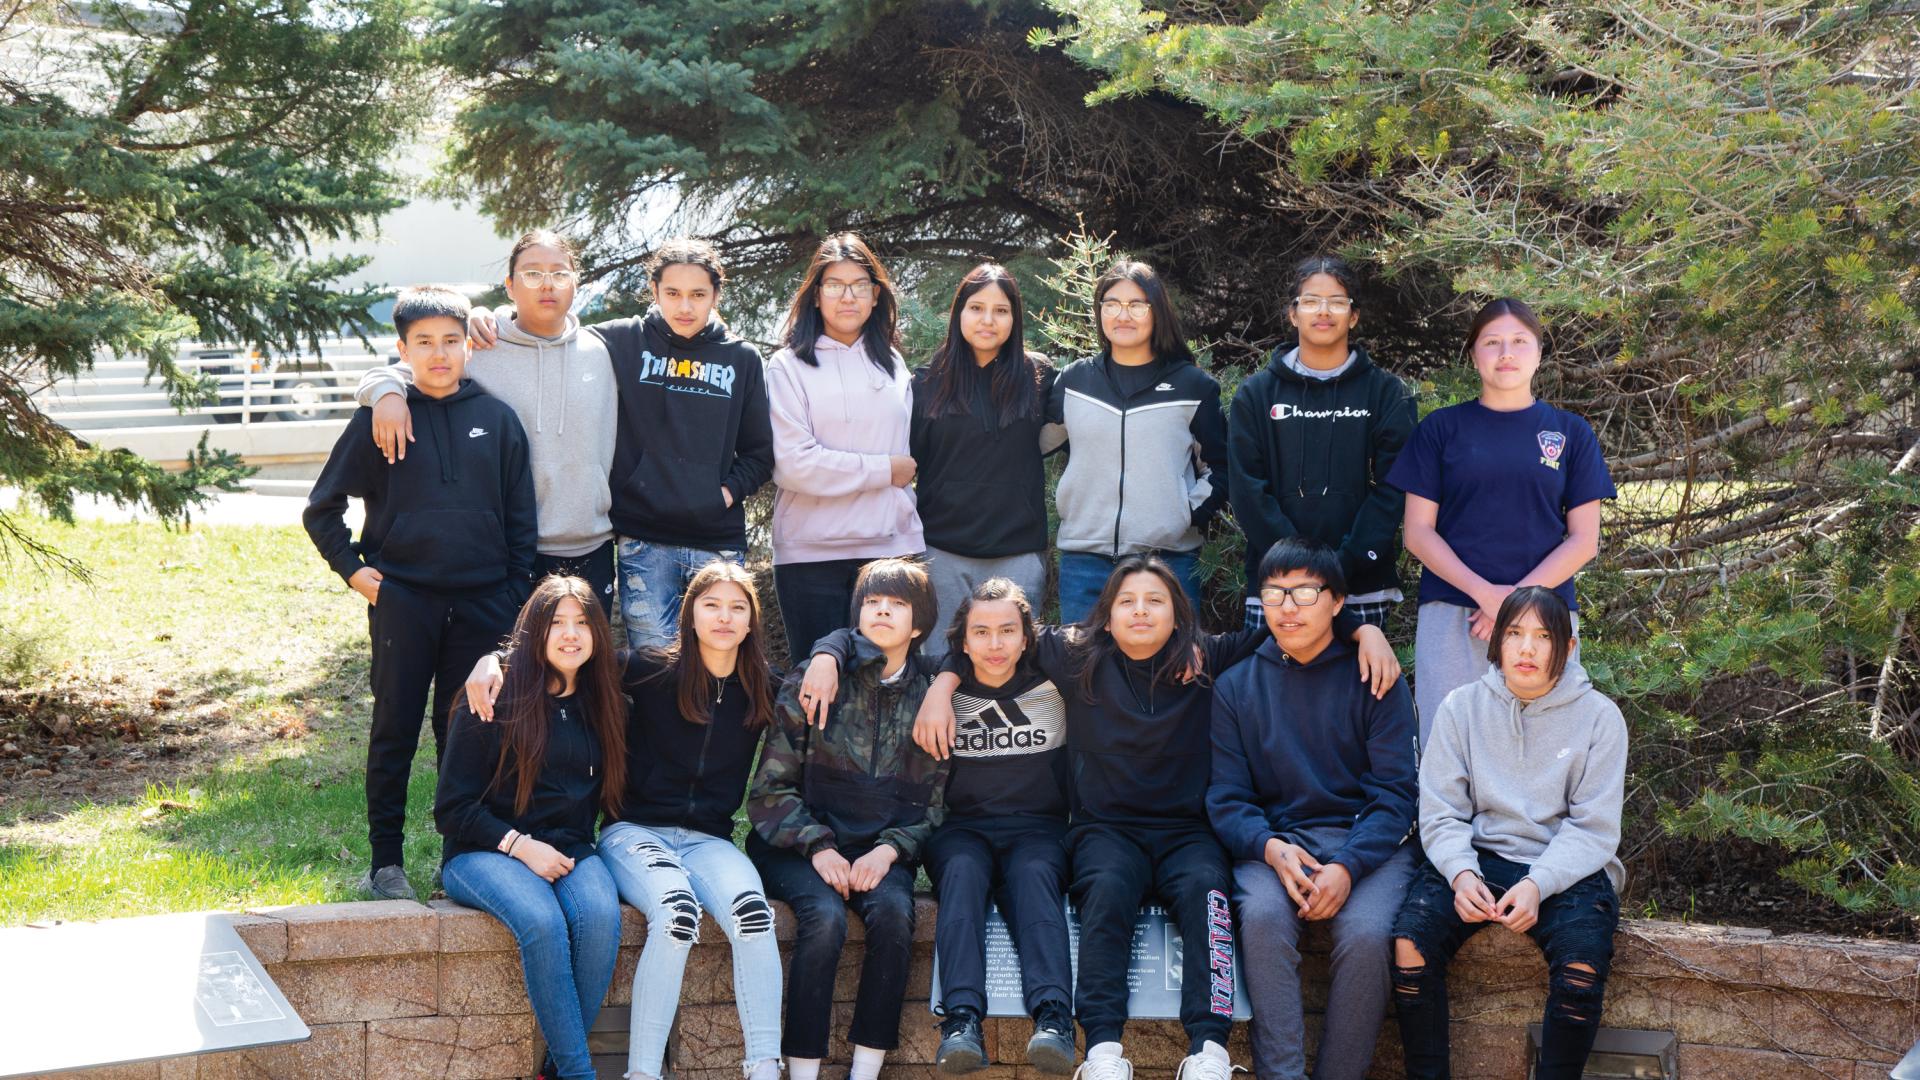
(862, 781)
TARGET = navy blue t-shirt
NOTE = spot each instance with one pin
(1504, 482)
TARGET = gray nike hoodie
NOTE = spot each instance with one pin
(562, 390)
(1537, 782)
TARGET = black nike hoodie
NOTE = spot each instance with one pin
(693, 417)
(455, 517)
(1309, 458)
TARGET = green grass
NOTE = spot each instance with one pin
(265, 654)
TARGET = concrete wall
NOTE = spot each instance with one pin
(398, 989)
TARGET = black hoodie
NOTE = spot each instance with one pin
(1309, 458)
(455, 517)
(693, 417)
(679, 773)
(473, 812)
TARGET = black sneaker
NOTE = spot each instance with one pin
(387, 883)
(963, 1049)
(1051, 1048)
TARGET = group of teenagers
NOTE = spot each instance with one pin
(525, 479)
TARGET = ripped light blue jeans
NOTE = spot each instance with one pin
(652, 578)
(672, 875)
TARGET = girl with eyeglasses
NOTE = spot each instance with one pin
(1501, 492)
(1312, 438)
(842, 402)
(979, 429)
(1148, 444)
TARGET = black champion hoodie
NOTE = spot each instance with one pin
(455, 517)
(679, 773)
(1309, 458)
(473, 812)
(693, 416)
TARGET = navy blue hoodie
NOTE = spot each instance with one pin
(455, 517)
(1303, 745)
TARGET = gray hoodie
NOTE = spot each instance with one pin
(562, 390)
(1536, 782)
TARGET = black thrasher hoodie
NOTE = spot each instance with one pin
(693, 416)
(455, 517)
(1309, 458)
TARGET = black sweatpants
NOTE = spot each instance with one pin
(420, 640)
(1183, 867)
(820, 931)
(1022, 865)
(596, 567)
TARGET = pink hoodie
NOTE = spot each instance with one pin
(834, 428)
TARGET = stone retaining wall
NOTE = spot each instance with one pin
(399, 989)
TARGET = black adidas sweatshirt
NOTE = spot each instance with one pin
(1010, 752)
(473, 811)
(679, 773)
(1309, 458)
(455, 517)
(693, 417)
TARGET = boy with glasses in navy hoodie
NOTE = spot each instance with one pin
(444, 559)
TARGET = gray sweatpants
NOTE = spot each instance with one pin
(1361, 962)
(954, 578)
(1446, 656)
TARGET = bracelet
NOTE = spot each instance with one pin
(506, 842)
(515, 844)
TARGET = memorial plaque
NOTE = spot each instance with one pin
(1153, 968)
(130, 990)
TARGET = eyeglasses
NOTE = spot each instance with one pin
(1323, 305)
(537, 279)
(1137, 309)
(1303, 595)
(859, 290)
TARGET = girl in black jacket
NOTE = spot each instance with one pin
(517, 801)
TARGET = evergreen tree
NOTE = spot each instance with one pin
(1717, 207)
(932, 126)
(164, 167)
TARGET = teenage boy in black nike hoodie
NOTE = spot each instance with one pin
(1310, 440)
(444, 559)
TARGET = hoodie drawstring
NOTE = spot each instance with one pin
(540, 386)
(440, 426)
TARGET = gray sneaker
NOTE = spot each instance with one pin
(387, 883)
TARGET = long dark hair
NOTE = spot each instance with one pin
(987, 592)
(1547, 606)
(1091, 642)
(521, 710)
(1014, 377)
(1169, 342)
(805, 324)
(693, 684)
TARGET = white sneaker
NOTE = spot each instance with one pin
(1105, 1067)
(1205, 1066)
(767, 1069)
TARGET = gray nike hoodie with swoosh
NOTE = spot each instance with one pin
(1537, 782)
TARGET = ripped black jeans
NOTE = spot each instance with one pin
(1575, 927)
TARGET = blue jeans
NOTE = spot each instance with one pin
(1082, 576)
(568, 932)
(653, 577)
(671, 874)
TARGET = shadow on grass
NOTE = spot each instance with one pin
(280, 822)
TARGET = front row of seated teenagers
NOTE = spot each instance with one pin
(1247, 782)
